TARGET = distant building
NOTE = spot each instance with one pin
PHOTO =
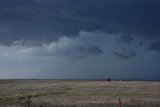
(109, 79)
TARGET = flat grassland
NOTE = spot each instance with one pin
(79, 93)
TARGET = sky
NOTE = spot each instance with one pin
(80, 39)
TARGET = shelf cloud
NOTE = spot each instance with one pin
(91, 39)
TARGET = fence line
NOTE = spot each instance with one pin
(29, 101)
(119, 102)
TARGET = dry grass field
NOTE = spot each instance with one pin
(76, 93)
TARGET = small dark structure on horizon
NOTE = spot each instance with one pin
(109, 79)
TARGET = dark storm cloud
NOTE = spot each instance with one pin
(125, 55)
(126, 38)
(77, 48)
(155, 46)
(91, 55)
(44, 21)
(92, 50)
(82, 37)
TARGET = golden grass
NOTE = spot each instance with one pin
(54, 93)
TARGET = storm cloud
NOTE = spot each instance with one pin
(126, 38)
(87, 39)
(125, 55)
(64, 47)
(155, 46)
(43, 21)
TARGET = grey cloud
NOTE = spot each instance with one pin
(66, 47)
(155, 46)
(126, 38)
(44, 21)
(94, 50)
(40, 25)
(91, 55)
(125, 55)
(91, 49)
(142, 43)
